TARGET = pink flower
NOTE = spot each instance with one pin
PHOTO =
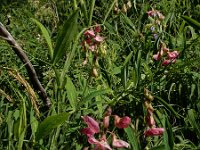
(117, 143)
(88, 132)
(151, 13)
(101, 144)
(157, 56)
(154, 132)
(173, 55)
(106, 121)
(122, 122)
(166, 62)
(93, 125)
(97, 29)
(149, 118)
(89, 33)
(160, 16)
(98, 38)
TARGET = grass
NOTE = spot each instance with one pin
(124, 63)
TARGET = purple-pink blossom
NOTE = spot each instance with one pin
(92, 38)
(122, 122)
(101, 144)
(93, 125)
(154, 131)
(117, 143)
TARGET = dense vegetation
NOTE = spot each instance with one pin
(121, 59)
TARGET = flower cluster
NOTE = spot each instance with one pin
(152, 129)
(155, 26)
(93, 129)
(156, 13)
(168, 57)
(92, 38)
(92, 43)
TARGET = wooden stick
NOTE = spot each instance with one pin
(5, 35)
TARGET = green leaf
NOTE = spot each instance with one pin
(128, 22)
(132, 138)
(65, 37)
(49, 124)
(168, 106)
(46, 36)
(124, 69)
(192, 22)
(71, 93)
(160, 147)
(192, 119)
(94, 94)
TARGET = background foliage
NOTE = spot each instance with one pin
(51, 32)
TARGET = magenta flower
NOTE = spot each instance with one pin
(101, 144)
(92, 38)
(93, 125)
(89, 33)
(98, 39)
(157, 56)
(117, 143)
(122, 122)
(154, 132)
(151, 13)
(88, 132)
(149, 118)
(173, 55)
(106, 121)
(97, 29)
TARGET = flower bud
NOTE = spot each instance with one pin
(94, 72)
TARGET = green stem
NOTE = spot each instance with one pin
(91, 12)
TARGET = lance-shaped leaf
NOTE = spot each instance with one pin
(192, 22)
(46, 36)
(65, 37)
(49, 124)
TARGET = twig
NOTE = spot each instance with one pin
(5, 35)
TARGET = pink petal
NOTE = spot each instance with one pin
(102, 144)
(122, 122)
(154, 132)
(92, 140)
(160, 15)
(97, 29)
(88, 132)
(157, 56)
(92, 48)
(151, 13)
(92, 124)
(150, 120)
(89, 33)
(106, 121)
(173, 55)
(117, 143)
(98, 38)
(166, 62)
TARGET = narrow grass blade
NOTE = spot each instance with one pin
(168, 106)
(109, 10)
(46, 36)
(132, 138)
(124, 69)
(192, 22)
(94, 94)
(91, 12)
(193, 121)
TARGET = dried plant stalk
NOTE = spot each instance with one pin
(4, 34)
